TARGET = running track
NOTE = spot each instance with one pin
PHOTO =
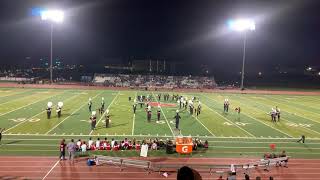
(13, 167)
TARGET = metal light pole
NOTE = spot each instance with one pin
(54, 16)
(242, 25)
(51, 54)
(243, 59)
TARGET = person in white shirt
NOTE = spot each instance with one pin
(90, 142)
(154, 145)
(79, 144)
(84, 147)
(98, 143)
(112, 143)
(105, 143)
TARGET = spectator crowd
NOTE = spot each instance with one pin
(161, 81)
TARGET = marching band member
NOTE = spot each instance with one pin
(49, 109)
(278, 113)
(107, 120)
(238, 110)
(198, 108)
(226, 105)
(273, 115)
(177, 117)
(59, 109)
(149, 113)
(102, 105)
(93, 119)
(134, 106)
(90, 104)
(191, 107)
(186, 102)
(158, 113)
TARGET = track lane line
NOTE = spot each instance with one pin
(51, 169)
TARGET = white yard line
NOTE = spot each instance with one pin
(261, 122)
(280, 101)
(51, 169)
(229, 120)
(284, 99)
(70, 114)
(23, 122)
(284, 118)
(134, 115)
(31, 117)
(205, 127)
(105, 111)
(202, 124)
(296, 113)
(42, 99)
(289, 120)
(164, 116)
(268, 125)
(15, 98)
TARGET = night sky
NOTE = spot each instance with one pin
(287, 32)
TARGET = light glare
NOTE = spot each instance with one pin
(52, 15)
(242, 25)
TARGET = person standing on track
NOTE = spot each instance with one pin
(71, 150)
(62, 150)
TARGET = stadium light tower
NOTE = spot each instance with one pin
(53, 16)
(242, 25)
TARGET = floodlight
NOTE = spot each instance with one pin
(319, 73)
(309, 68)
(242, 25)
(55, 16)
(52, 15)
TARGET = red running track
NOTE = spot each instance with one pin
(27, 167)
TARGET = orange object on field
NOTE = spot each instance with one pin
(272, 146)
(184, 145)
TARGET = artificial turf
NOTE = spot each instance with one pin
(29, 132)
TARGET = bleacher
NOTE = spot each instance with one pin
(122, 162)
(265, 164)
(161, 81)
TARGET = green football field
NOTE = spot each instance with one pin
(29, 132)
